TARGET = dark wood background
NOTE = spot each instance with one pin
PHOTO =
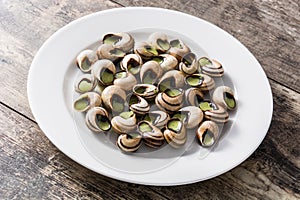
(32, 168)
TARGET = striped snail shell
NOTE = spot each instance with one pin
(170, 101)
(97, 120)
(214, 112)
(175, 133)
(124, 123)
(152, 136)
(207, 133)
(224, 96)
(138, 104)
(211, 67)
(86, 101)
(129, 142)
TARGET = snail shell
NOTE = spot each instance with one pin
(145, 50)
(159, 41)
(104, 71)
(158, 118)
(85, 83)
(207, 133)
(171, 79)
(152, 135)
(193, 96)
(191, 116)
(171, 100)
(86, 59)
(97, 120)
(146, 91)
(114, 98)
(175, 133)
(129, 142)
(124, 123)
(106, 51)
(131, 63)
(178, 49)
(201, 81)
(166, 61)
(87, 101)
(211, 67)
(122, 41)
(150, 72)
(138, 104)
(125, 80)
(224, 97)
(189, 64)
(214, 112)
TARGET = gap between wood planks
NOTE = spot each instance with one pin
(23, 115)
(117, 3)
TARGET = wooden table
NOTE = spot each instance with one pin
(33, 168)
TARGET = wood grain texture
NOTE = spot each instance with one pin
(31, 167)
(24, 27)
(269, 29)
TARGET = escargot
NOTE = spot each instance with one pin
(159, 41)
(104, 71)
(147, 91)
(171, 100)
(211, 67)
(114, 98)
(122, 41)
(171, 79)
(129, 142)
(224, 96)
(106, 51)
(152, 136)
(131, 63)
(178, 49)
(124, 122)
(207, 133)
(201, 81)
(175, 133)
(125, 80)
(166, 61)
(85, 83)
(97, 120)
(214, 112)
(191, 116)
(87, 101)
(146, 51)
(189, 63)
(86, 59)
(138, 104)
(158, 118)
(150, 72)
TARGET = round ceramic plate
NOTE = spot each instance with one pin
(50, 92)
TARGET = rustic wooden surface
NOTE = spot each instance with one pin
(32, 168)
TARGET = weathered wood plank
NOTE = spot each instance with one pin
(23, 29)
(31, 167)
(270, 29)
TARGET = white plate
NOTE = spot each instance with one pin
(50, 92)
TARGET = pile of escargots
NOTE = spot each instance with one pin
(151, 92)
